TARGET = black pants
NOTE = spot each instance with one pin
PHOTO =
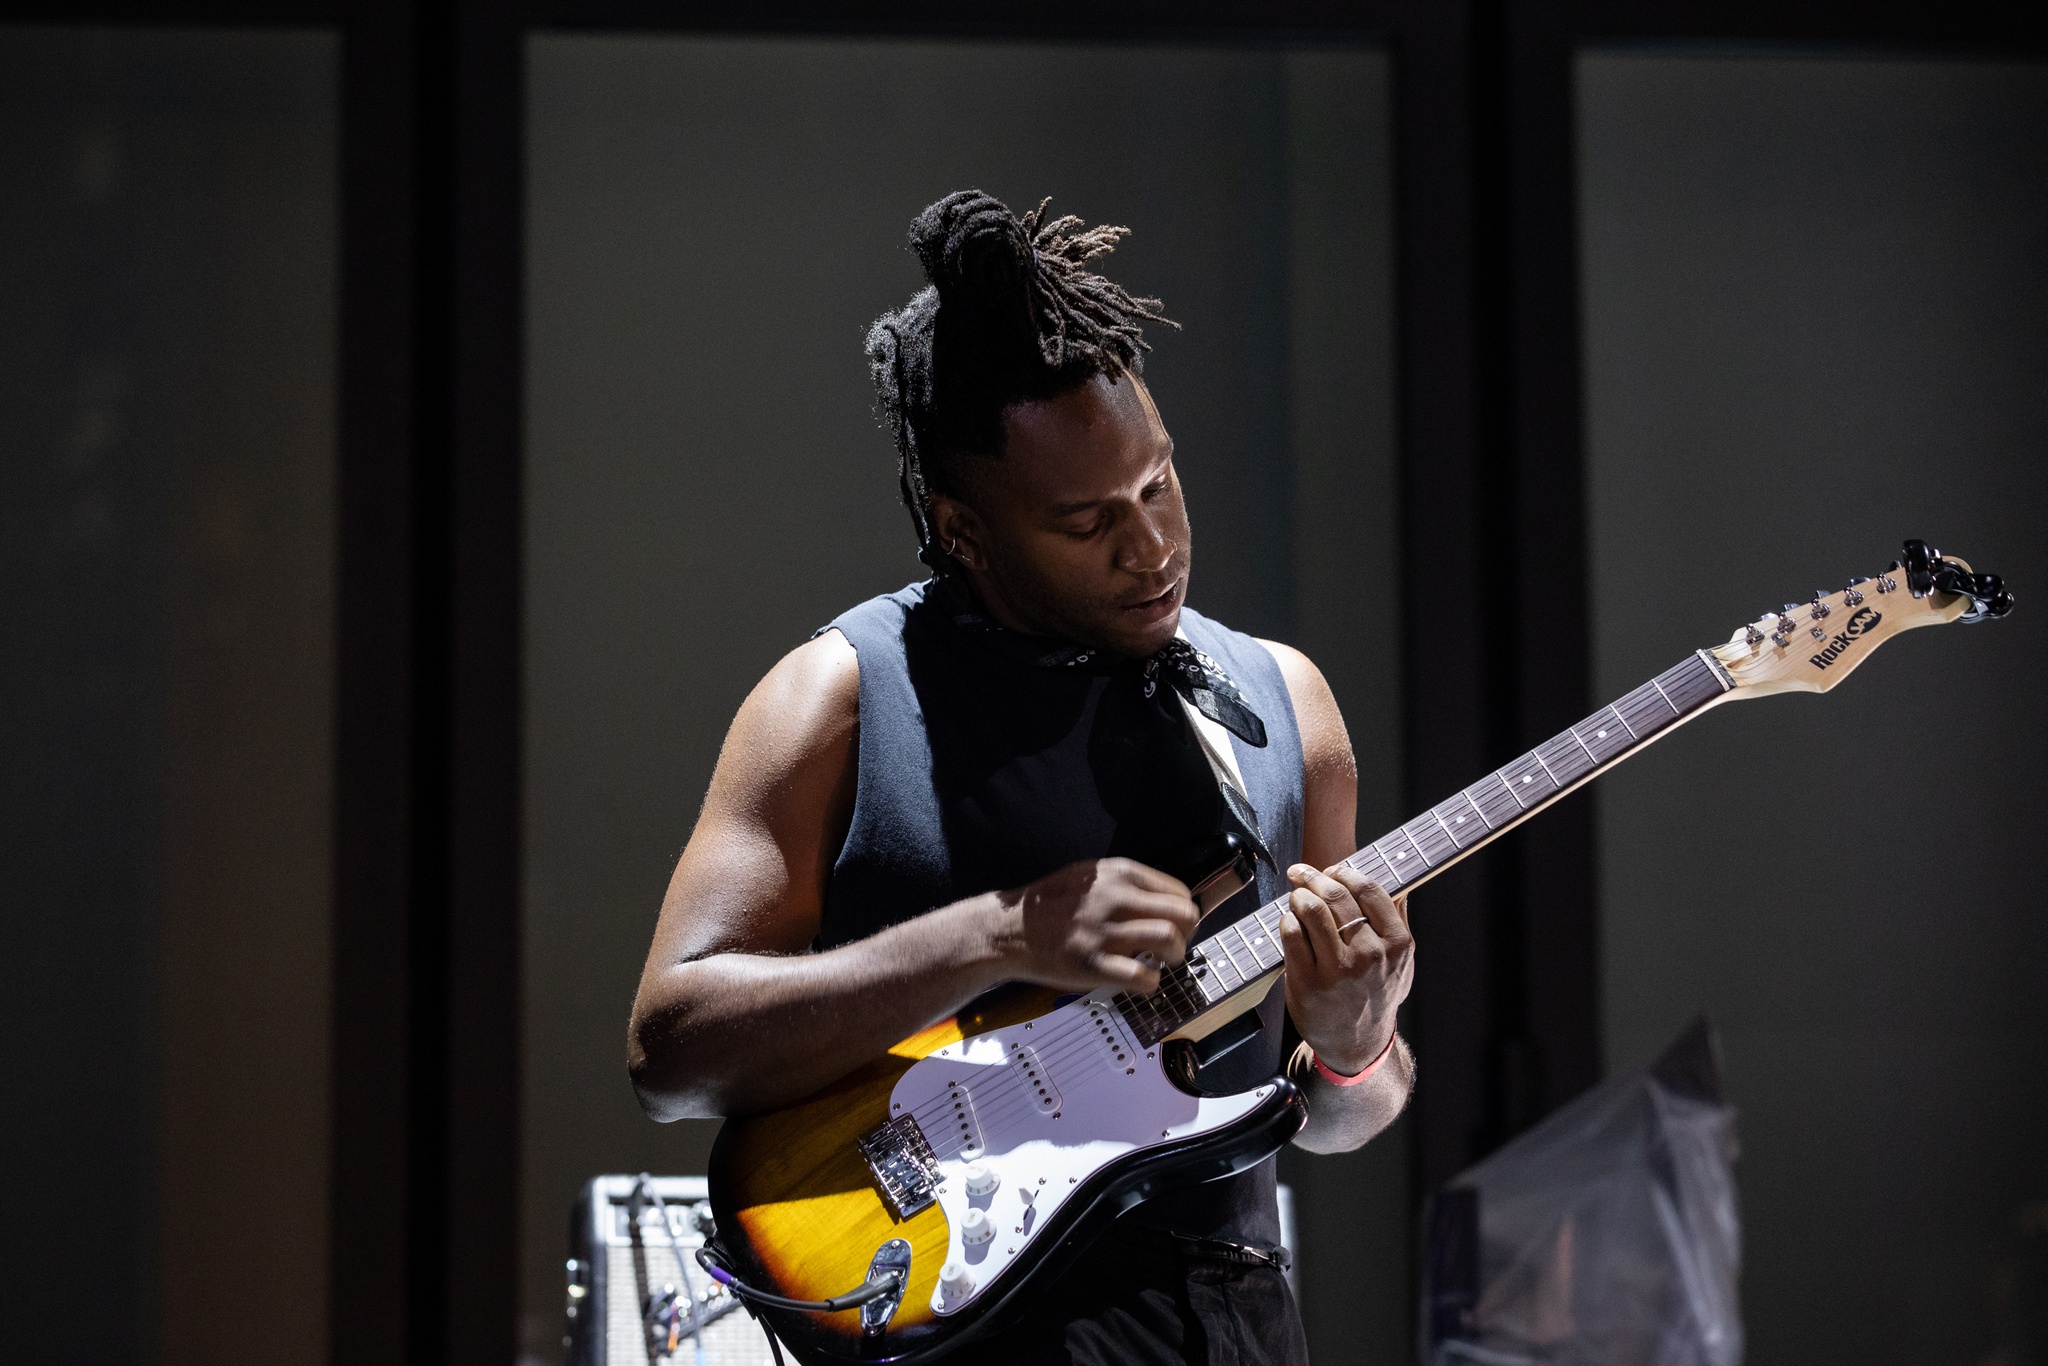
(1132, 1303)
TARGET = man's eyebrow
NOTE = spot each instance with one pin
(1070, 509)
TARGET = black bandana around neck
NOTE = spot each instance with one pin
(1189, 672)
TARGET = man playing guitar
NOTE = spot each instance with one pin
(971, 781)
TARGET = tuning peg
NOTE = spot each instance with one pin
(1850, 597)
(1886, 583)
(1820, 609)
(1782, 636)
(1752, 637)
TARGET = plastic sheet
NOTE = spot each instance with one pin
(1608, 1235)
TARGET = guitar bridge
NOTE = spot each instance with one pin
(902, 1162)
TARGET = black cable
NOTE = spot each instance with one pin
(852, 1299)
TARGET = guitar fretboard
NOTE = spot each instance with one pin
(1244, 953)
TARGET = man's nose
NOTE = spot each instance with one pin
(1146, 549)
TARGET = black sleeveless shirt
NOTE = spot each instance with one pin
(988, 760)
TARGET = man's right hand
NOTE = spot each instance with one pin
(1086, 925)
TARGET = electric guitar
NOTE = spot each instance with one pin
(896, 1213)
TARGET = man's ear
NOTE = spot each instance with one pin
(960, 531)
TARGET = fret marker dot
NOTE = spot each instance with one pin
(1401, 855)
(1601, 734)
(1460, 820)
(1525, 777)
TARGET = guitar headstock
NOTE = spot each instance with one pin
(1812, 646)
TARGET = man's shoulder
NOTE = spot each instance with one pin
(880, 617)
(1236, 648)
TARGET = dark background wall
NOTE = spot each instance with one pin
(712, 224)
(260, 354)
(167, 339)
(1816, 321)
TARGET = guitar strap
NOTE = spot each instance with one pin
(1216, 748)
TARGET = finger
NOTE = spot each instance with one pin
(1153, 906)
(1401, 905)
(1115, 970)
(1147, 877)
(1295, 953)
(1373, 903)
(1318, 926)
(1338, 896)
(1163, 939)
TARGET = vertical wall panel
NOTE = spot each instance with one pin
(1816, 321)
(712, 224)
(167, 263)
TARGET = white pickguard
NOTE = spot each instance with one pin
(1048, 1104)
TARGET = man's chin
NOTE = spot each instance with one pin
(1138, 639)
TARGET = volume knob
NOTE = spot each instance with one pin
(956, 1282)
(976, 1228)
(979, 1178)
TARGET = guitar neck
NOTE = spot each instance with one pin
(1244, 955)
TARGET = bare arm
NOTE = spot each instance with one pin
(1344, 981)
(734, 1014)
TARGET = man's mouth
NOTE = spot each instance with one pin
(1156, 609)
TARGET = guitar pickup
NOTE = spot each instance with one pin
(902, 1162)
(1116, 1046)
(963, 1130)
(1038, 1087)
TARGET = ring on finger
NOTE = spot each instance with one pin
(1348, 924)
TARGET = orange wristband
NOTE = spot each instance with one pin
(1339, 1079)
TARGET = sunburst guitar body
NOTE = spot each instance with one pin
(945, 1180)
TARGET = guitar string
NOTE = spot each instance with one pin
(1079, 1038)
(1011, 1093)
(1063, 1045)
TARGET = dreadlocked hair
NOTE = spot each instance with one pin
(1010, 313)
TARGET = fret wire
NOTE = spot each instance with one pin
(1666, 696)
(1237, 931)
(1490, 798)
(1183, 988)
(1384, 873)
(1723, 681)
(1546, 769)
(1624, 721)
(1422, 842)
(1265, 938)
(1502, 775)
(1573, 731)
(1445, 827)
(1644, 712)
(1259, 956)
(1252, 943)
(1230, 954)
(1393, 864)
(1416, 847)
(1229, 976)
(1566, 756)
(1476, 810)
(1251, 952)
(1495, 805)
